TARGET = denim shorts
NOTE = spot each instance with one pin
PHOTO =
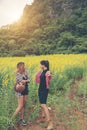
(18, 95)
(43, 95)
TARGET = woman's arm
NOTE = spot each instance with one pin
(48, 79)
(28, 77)
(19, 78)
(48, 73)
(25, 81)
(37, 77)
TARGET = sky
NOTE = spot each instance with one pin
(11, 10)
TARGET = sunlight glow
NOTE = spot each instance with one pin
(15, 17)
(12, 10)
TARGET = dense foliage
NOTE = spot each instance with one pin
(47, 26)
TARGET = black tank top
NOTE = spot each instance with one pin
(43, 80)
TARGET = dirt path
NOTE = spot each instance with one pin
(31, 127)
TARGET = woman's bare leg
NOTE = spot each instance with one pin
(43, 114)
(49, 122)
(24, 105)
(20, 106)
(46, 111)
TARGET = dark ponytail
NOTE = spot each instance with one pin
(45, 63)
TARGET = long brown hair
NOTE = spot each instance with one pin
(19, 67)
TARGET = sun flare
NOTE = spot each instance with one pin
(11, 10)
(15, 17)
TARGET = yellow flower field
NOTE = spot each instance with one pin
(58, 62)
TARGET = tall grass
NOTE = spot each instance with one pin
(59, 86)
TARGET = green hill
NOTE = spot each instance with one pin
(46, 27)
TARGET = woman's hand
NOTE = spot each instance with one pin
(28, 81)
(48, 73)
(25, 81)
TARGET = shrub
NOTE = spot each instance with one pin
(74, 72)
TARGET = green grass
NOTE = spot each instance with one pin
(60, 87)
